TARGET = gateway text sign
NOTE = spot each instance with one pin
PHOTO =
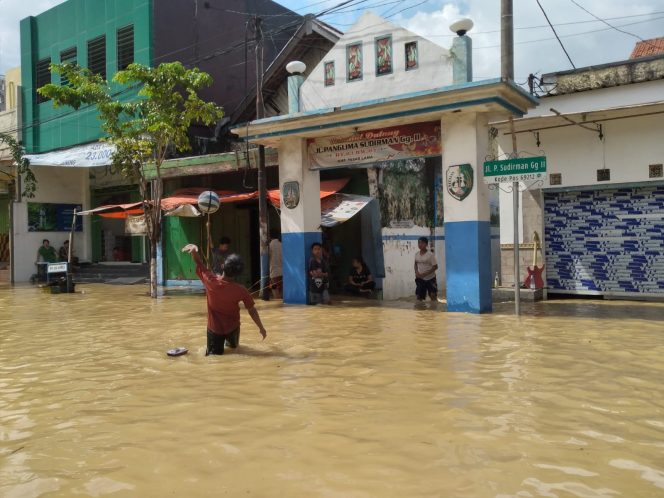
(373, 146)
(515, 170)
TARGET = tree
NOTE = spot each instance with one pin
(143, 129)
(22, 167)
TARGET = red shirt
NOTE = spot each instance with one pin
(223, 299)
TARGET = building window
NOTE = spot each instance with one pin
(354, 62)
(329, 73)
(97, 56)
(67, 56)
(655, 171)
(42, 77)
(412, 56)
(125, 47)
(383, 47)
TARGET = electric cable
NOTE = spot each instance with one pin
(612, 26)
(554, 32)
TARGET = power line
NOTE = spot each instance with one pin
(612, 26)
(243, 43)
(554, 32)
(540, 26)
(526, 42)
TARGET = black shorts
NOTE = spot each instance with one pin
(216, 342)
(424, 287)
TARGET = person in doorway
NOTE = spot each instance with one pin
(63, 253)
(276, 272)
(360, 281)
(219, 254)
(318, 276)
(223, 298)
(46, 253)
(425, 272)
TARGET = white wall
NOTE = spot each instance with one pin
(54, 185)
(293, 166)
(630, 145)
(602, 98)
(399, 248)
(435, 68)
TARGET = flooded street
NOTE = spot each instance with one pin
(353, 400)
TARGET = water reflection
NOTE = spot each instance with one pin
(356, 399)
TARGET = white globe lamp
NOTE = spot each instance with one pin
(296, 67)
(462, 26)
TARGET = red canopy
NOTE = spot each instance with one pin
(190, 196)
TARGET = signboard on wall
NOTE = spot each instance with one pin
(43, 217)
(81, 156)
(519, 169)
(372, 146)
(338, 208)
(136, 225)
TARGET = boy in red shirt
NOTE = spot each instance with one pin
(223, 299)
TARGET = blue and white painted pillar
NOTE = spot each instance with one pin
(467, 214)
(300, 224)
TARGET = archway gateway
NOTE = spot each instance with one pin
(462, 112)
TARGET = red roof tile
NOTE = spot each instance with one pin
(648, 47)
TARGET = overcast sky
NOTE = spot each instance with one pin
(587, 40)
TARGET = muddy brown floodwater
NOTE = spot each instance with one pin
(353, 400)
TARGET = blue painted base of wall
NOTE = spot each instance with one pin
(468, 266)
(296, 249)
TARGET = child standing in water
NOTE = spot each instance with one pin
(425, 272)
(318, 275)
(223, 299)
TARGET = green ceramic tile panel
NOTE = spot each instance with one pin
(179, 231)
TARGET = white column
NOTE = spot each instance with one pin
(467, 213)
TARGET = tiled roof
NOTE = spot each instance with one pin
(648, 47)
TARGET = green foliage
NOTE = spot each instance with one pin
(22, 165)
(142, 129)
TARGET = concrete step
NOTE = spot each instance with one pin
(100, 273)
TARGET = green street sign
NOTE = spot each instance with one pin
(515, 170)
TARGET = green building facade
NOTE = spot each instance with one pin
(101, 35)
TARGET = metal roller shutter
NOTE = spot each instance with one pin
(608, 242)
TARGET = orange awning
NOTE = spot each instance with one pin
(190, 196)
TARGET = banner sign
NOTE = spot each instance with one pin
(82, 156)
(372, 146)
(338, 208)
(515, 170)
(135, 225)
(44, 217)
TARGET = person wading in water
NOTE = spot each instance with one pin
(223, 299)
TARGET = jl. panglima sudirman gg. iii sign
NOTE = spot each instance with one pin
(372, 146)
